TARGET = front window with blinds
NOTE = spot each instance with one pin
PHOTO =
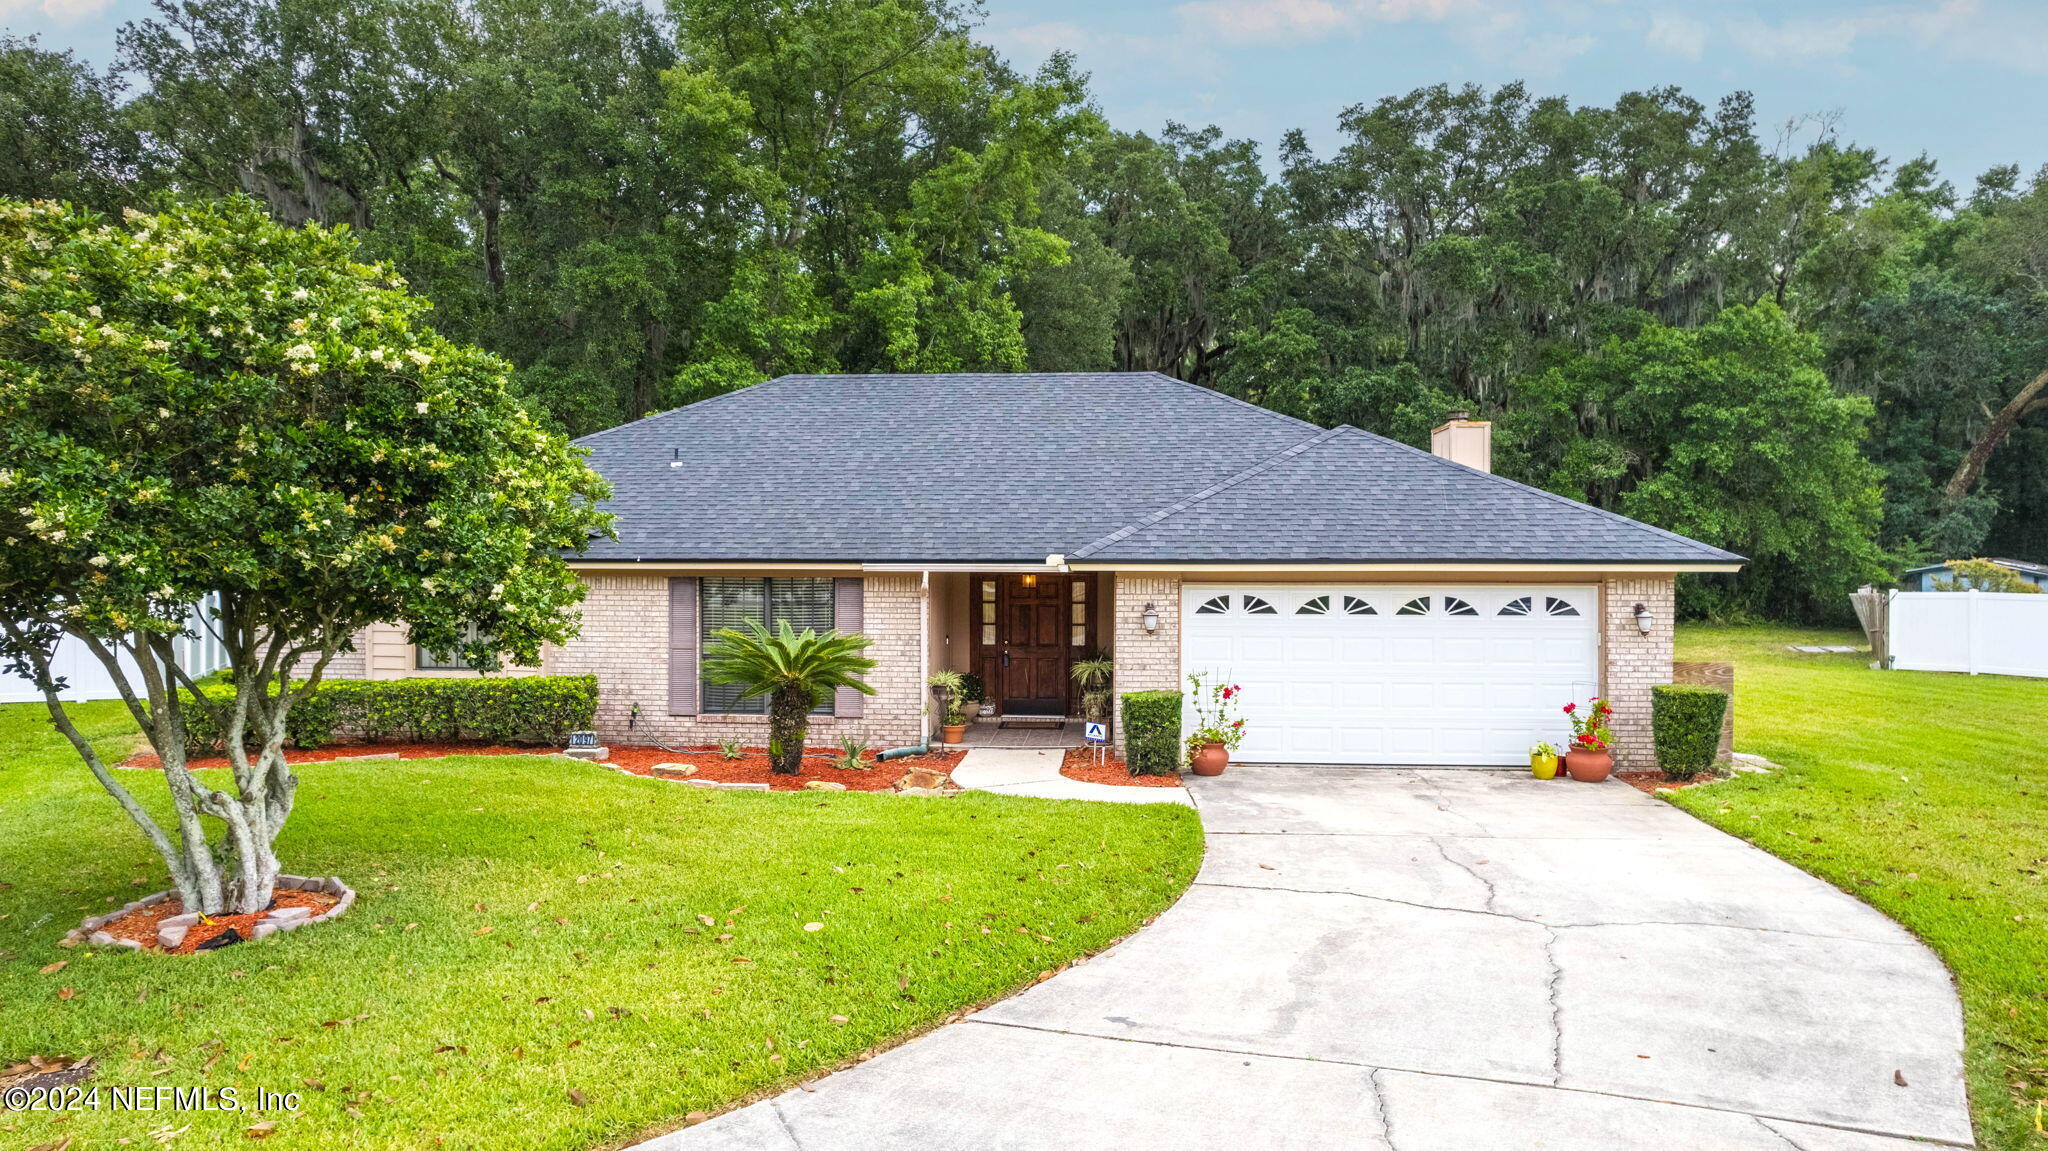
(729, 602)
(425, 660)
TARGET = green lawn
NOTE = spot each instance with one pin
(529, 927)
(1925, 794)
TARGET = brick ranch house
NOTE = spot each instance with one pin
(1378, 604)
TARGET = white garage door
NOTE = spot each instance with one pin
(1451, 674)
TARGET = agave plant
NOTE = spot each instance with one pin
(795, 671)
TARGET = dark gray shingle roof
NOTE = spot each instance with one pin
(1102, 466)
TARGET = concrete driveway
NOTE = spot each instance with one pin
(1438, 961)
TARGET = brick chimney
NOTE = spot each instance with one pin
(1464, 440)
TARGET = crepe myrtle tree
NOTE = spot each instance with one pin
(202, 402)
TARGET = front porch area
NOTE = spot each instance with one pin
(1035, 732)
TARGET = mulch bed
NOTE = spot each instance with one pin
(1656, 781)
(1080, 764)
(140, 925)
(751, 767)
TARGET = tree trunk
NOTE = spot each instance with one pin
(789, 719)
(1971, 469)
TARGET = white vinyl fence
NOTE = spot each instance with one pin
(1990, 633)
(86, 678)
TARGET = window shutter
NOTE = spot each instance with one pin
(682, 645)
(846, 617)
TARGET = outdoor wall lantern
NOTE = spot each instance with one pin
(1645, 618)
(1030, 580)
(1151, 617)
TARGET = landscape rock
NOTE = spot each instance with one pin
(675, 769)
(263, 930)
(744, 786)
(588, 752)
(127, 945)
(923, 778)
(924, 792)
(100, 939)
(286, 914)
(169, 937)
(823, 785)
(185, 920)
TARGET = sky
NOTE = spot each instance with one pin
(1959, 80)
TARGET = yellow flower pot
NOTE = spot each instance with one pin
(1543, 766)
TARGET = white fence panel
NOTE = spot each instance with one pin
(86, 677)
(1990, 633)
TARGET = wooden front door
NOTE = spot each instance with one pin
(1033, 644)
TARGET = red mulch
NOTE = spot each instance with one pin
(141, 925)
(1655, 781)
(750, 767)
(1080, 764)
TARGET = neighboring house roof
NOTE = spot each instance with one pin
(2016, 565)
(1011, 468)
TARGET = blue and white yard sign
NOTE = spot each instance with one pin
(1096, 732)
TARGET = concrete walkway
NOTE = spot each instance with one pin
(1437, 961)
(1036, 773)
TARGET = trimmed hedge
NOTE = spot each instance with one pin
(1685, 725)
(1152, 731)
(536, 709)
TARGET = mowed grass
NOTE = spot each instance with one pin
(531, 928)
(1925, 794)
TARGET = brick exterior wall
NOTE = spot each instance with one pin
(1634, 663)
(1145, 661)
(624, 642)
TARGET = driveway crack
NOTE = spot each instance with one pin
(786, 1128)
(1472, 871)
(1552, 988)
(1380, 1109)
(1787, 1139)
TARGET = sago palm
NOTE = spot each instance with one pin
(795, 671)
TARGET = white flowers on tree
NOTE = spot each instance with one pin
(178, 426)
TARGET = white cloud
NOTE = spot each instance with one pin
(1677, 34)
(2007, 36)
(61, 11)
(1297, 20)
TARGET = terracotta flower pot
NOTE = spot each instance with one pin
(1588, 766)
(954, 732)
(1212, 759)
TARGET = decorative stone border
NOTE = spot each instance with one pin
(171, 932)
(942, 785)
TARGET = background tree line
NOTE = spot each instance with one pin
(1827, 361)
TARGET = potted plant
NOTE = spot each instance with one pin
(1092, 676)
(972, 692)
(1543, 761)
(1591, 758)
(953, 686)
(1216, 732)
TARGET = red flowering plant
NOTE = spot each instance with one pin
(1589, 726)
(1214, 721)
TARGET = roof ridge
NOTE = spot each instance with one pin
(1531, 488)
(1191, 500)
(1206, 390)
(693, 405)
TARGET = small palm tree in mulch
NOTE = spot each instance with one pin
(796, 671)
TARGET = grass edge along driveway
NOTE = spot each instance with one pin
(1926, 795)
(546, 954)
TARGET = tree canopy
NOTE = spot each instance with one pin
(638, 209)
(206, 405)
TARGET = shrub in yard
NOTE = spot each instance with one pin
(510, 709)
(1685, 724)
(1152, 731)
